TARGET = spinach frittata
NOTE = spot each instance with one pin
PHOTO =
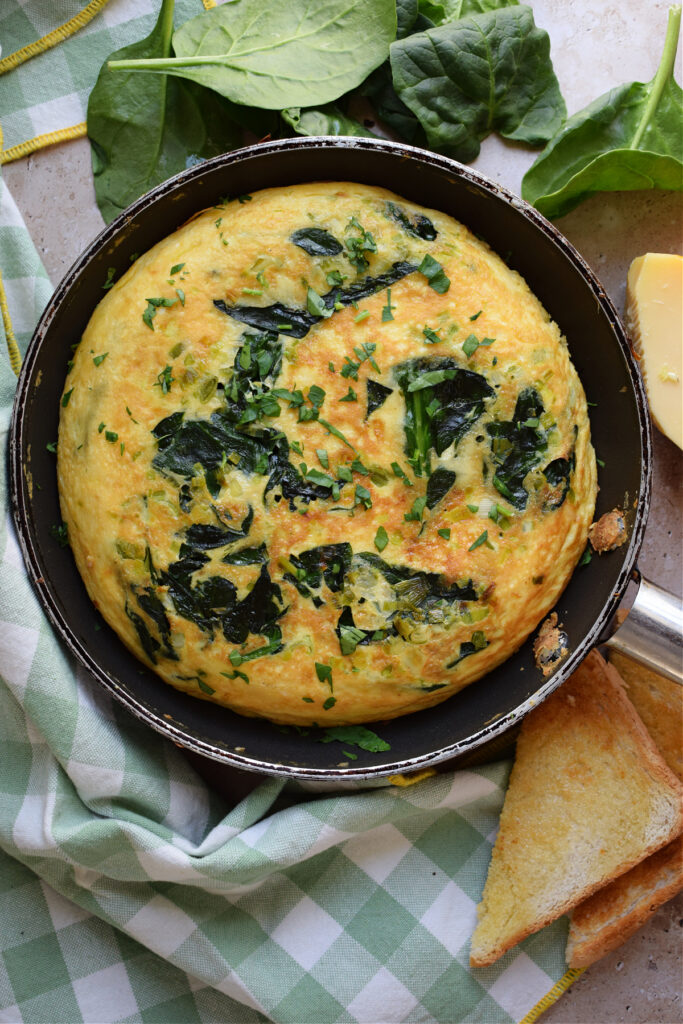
(323, 457)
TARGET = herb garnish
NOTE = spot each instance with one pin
(358, 245)
(111, 436)
(435, 274)
(151, 309)
(388, 310)
(430, 336)
(165, 380)
(98, 360)
(416, 511)
(324, 674)
(483, 538)
(65, 398)
(109, 280)
(445, 533)
(350, 396)
(355, 736)
(381, 538)
(472, 343)
(60, 532)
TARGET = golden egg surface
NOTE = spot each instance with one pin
(323, 457)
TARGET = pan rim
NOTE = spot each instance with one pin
(151, 716)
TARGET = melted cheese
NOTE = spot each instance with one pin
(262, 533)
(655, 318)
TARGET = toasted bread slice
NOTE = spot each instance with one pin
(589, 797)
(610, 916)
(659, 702)
(614, 913)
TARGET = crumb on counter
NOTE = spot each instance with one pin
(550, 645)
(609, 532)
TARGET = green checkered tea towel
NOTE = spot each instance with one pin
(128, 890)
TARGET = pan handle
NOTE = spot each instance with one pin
(652, 632)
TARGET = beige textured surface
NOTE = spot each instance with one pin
(594, 47)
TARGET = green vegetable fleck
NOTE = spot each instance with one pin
(381, 538)
(435, 274)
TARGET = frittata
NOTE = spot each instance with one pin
(323, 457)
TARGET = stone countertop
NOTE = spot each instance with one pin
(594, 47)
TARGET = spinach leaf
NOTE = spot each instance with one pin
(298, 322)
(442, 403)
(327, 120)
(379, 89)
(477, 643)
(247, 556)
(441, 11)
(490, 71)
(328, 563)
(420, 226)
(629, 138)
(205, 536)
(282, 55)
(426, 588)
(557, 473)
(438, 486)
(257, 613)
(317, 242)
(149, 644)
(152, 606)
(406, 15)
(143, 131)
(351, 636)
(517, 446)
(377, 395)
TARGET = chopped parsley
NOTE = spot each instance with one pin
(151, 309)
(109, 280)
(165, 380)
(430, 336)
(355, 736)
(445, 533)
(337, 433)
(65, 398)
(324, 674)
(416, 511)
(483, 538)
(329, 703)
(98, 360)
(315, 304)
(388, 310)
(400, 474)
(477, 315)
(472, 343)
(435, 275)
(176, 269)
(60, 532)
(350, 396)
(381, 539)
(52, 447)
(363, 496)
(111, 436)
(323, 457)
(358, 245)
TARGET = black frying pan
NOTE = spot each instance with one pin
(600, 351)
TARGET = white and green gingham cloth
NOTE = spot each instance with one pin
(129, 892)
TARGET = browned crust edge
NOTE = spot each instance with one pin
(590, 939)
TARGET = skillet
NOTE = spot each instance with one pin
(599, 349)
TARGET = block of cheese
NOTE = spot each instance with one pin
(654, 316)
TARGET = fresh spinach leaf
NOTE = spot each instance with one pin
(630, 138)
(327, 120)
(276, 56)
(247, 556)
(317, 242)
(487, 72)
(379, 89)
(143, 131)
(406, 15)
(441, 11)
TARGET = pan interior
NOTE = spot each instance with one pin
(598, 349)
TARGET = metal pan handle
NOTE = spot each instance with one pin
(652, 632)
